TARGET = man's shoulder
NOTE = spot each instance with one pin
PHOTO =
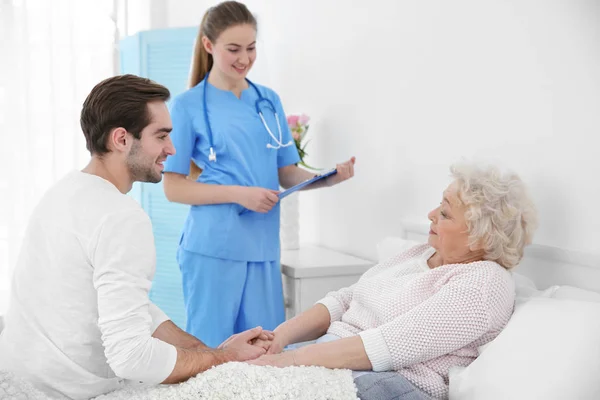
(122, 208)
(87, 199)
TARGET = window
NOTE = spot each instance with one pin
(57, 51)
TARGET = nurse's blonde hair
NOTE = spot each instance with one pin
(216, 20)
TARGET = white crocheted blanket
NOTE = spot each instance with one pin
(234, 380)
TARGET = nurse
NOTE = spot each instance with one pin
(235, 133)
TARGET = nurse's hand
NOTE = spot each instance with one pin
(345, 171)
(258, 199)
(239, 347)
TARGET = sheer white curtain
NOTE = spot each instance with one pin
(51, 54)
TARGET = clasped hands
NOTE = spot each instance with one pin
(259, 347)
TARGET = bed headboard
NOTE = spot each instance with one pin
(545, 265)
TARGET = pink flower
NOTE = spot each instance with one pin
(303, 119)
(292, 121)
(296, 135)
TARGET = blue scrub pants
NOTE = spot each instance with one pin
(224, 297)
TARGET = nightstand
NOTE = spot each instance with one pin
(310, 272)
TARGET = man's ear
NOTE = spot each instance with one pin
(119, 140)
(207, 44)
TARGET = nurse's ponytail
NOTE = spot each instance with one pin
(201, 61)
(215, 21)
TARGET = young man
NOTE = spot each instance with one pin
(80, 322)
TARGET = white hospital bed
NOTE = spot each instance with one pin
(550, 349)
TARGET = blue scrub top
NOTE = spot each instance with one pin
(240, 143)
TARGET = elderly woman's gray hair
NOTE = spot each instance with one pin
(500, 215)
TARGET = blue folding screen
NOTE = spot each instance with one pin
(164, 56)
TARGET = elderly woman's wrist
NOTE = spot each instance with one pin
(282, 336)
(300, 356)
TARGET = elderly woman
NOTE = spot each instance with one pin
(428, 309)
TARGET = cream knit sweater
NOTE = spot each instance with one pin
(421, 321)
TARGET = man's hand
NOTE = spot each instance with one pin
(265, 344)
(264, 340)
(264, 337)
(240, 347)
(191, 362)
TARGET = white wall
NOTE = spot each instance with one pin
(410, 87)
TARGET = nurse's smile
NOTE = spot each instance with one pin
(240, 70)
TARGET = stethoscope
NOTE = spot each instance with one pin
(212, 156)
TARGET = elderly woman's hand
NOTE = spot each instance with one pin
(272, 343)
(277, 344)
(281, 360)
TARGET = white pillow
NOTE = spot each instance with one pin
(549, 350)
(525, 289)
(575, 293)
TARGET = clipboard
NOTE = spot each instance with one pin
(301, 185)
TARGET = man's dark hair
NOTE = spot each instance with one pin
(120, 101)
